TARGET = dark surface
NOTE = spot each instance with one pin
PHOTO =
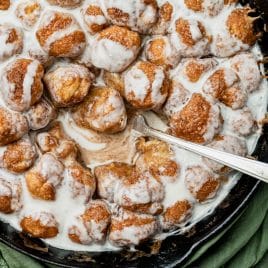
(175, 249)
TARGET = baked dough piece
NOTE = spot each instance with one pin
(19, 156)
(60, 35)
(103, 110)
(198, 121)
(43, 179)
(21, 83)
(67, 83)
(10, 196)
(190, 38)
(176, 214)
(158, 158)
(28, 12)
(11, 41)
(201, 183)
(13, 126)
(138, 15)
(224, 86)
(5, 4)
(94, 17)
(115, 48)
(40, 224)
(129, 228)
(66, 3)
(92, 225)
(146, 85)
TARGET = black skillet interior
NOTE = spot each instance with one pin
(175, 249)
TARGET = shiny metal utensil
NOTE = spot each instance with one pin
(245, 165)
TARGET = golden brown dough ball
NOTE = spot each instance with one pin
(124, 185)
(103, 110)
(4, 4)
(194, 69)
(66, 3)
(40, 224)
(146, 85)
(178, 96)
(211, 8)
(189, 37)
(22, 84)
(159, 50)
(13, 126)
(241, 26)
(60, 35)
(201, 183)
(229, 144)
(28, 12)
(246, 67)
(81, 181)
(94, 17)
(11, 41)
(19, 156)
(92, 225)
(129, 228)
(115, 81)
(138, 15)
(115, 48)
(10, 196)
(40, 114)
(176, 214)
(43, 179)
(199, 121)
(67, 83)
(224, 85)
(158, 158)
(165, 14)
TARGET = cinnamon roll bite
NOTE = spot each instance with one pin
(198, 121)
(21, 83)
(92, 225)
(176, 214)
(201, 183)
(94, 17)
(67, 83)
(103, 110)
(146, 85)
(11, 41)
(130, 228)
(60, 35)
(81, 181)
(10, 196)
(115, 48)
(224, 86)
(19, 156)
(40, 224)
(158, 158)
(190, 38)
(159, 50)
(13, 126)
(44, 178)
(40, 114)
(28, 12)
(138, 15)
(66, 3)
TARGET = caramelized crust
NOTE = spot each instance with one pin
(5, 4)
(195, 5)
(42, 225)
(241, 25)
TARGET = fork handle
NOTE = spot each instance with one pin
(245, 165)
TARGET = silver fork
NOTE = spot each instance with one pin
(245, 165)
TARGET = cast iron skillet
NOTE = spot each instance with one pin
(175, 250)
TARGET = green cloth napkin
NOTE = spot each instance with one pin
(244, 244)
